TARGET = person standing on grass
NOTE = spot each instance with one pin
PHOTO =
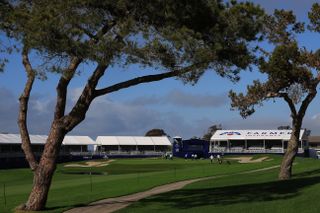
(219, 159)
(211, 158)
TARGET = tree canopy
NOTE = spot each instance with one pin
(293, 74)
(156, 132)
(211, 130)
(175, 38)
(207, 34)
(292, 70)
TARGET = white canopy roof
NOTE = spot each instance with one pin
(222, 135)
(161, 141)
(41, 139)
(144, 140)
(78, 140)
(16, 139)
(109, 140)
(133, 140)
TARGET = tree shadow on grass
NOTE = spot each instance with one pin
(188, 198)
(277, 190)
(65, 207)
(307, 173)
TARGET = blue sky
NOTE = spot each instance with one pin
(179, 109)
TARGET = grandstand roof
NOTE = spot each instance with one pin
(133, 140)
(314, 139)
(41, 139)
(16, 139)
(78, 140)
(254, 135)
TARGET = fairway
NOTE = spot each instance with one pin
(234, 192)
(256, 192)
(74, 186)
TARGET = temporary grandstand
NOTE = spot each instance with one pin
(10, 144)
(314, 142)
(132, 145)
(77, 144)
(254, 141)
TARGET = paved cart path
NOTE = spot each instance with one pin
(116, 203)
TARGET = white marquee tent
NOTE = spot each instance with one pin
(273, 141)
(11, 142)
(131, 143)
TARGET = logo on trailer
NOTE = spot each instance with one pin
(230, 133)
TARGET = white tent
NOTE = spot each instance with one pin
(41, 139)
(16, 139)
(78, 140)
(137, 143)
(161, 141)
(253, 135)
(133, 140)
(256, 141)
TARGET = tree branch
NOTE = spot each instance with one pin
(78, 112)
(305, 103)
(289, 102)
(63, 85)
(70, 71)
(143, 79)
(23, 110)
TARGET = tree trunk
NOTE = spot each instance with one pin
(45, 170)
(292, 149)
(23, 112)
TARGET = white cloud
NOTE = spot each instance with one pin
(316, 117)
(184, 99)
(110, 117)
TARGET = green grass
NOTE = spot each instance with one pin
(121, 177)
(256, 192)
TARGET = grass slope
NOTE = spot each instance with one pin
(256, 192)
(121, 177)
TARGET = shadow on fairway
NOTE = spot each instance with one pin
(65, 207)
(307, 173)
(189, 198)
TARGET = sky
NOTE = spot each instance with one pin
(179, 109)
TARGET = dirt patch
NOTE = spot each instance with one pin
(90, 164)
(249, 159)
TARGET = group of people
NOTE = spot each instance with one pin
(193, 156)
(168, 156)
(219, 158)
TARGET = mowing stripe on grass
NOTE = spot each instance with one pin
(117, 203)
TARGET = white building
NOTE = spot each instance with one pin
(254, 141)
(132, 145)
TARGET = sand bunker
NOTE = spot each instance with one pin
(90, 164)
(249, 159)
